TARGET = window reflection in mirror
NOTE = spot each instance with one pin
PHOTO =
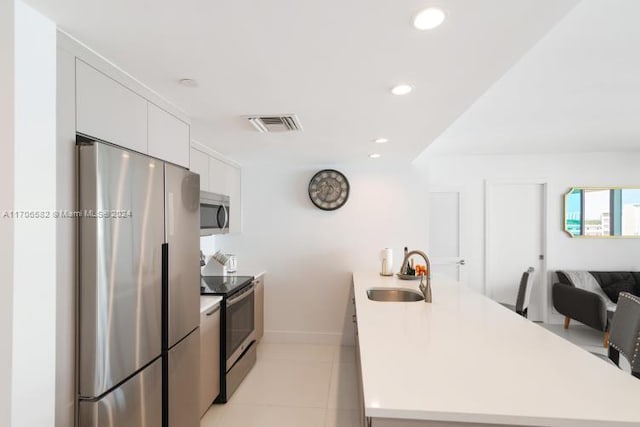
(596, 213)
(602, 212)
(630, 201)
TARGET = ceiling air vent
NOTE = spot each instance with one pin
(275, 123)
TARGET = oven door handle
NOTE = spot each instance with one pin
(244, 295)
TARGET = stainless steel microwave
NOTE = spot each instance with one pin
(214, 213)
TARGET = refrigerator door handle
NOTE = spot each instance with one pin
(165, 296)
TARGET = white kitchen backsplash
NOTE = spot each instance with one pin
(208, 245)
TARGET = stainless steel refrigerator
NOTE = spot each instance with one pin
(138, 290)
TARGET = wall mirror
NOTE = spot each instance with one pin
(604, 212)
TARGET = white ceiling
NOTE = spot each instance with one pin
(332, 62)
(577, 90)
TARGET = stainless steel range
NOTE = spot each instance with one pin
(238, 336)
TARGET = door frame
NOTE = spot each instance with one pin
(461, 196)
(488, 185)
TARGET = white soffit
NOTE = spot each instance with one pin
(332, 62)
(576, 91)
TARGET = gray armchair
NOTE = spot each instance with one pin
(594, 309)
(581, 305)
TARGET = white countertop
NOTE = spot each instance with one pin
(207, 302)
(466, 358)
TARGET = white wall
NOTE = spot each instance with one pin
(208, 245)
(309, 254)
(66, 237)
(34, 281)
(7, 105)
(560, 172)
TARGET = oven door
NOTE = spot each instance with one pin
(240, 320)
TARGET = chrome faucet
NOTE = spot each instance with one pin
(425, 287)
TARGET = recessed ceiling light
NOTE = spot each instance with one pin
(188, 82)
(380, 140)
(374, 156)
(402, 89)
(429, 18)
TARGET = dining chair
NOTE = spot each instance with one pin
(524, 294)
(624, 334)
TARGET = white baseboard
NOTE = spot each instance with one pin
(302, 337)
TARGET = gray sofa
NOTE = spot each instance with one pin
(592, 300)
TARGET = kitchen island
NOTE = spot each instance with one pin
(465, 360)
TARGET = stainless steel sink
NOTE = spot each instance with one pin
(394, 294)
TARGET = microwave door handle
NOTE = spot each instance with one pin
(222, 223)
(239, 298)
(226, 217)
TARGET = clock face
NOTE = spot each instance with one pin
(329, 189)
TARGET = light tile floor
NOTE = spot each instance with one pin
(581, 335)
(293, 385)
(586, 338)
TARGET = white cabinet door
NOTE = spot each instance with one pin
(227, 179)
(235, 192)
(219, 176)
(168, 137)
(209, 357)
(107, 110)
(199, 163)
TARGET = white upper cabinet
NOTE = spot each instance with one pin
(168, 137)
(225, 178)
(109, 111)
(199, 163)
(219, 176)
(235, 192)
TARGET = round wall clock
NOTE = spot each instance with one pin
(329, 189)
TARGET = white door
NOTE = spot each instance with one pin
(444, 234)
(515, 224)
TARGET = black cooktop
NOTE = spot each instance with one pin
(223, 285)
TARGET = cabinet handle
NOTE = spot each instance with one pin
(213, 311)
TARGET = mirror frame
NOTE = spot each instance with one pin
(564, 212)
